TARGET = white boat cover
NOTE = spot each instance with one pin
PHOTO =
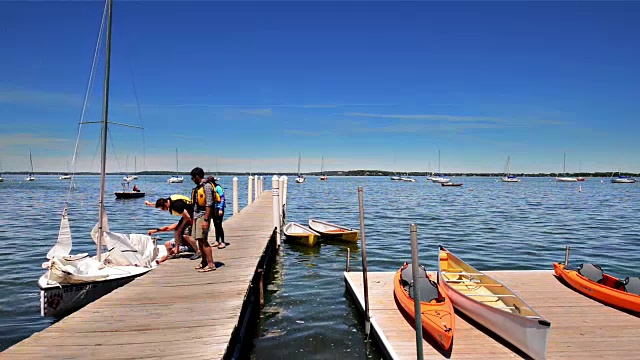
(63, 244)
(126, 250)
(131, 249)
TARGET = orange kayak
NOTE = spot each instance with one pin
(438, 318)
(593, 282)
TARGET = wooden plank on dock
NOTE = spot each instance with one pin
(581, 328)
(172, 312)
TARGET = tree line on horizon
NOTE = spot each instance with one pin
(347, 173)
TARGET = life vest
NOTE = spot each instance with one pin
(178, 197)
(199, 196)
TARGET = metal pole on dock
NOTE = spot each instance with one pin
(235, 195)
(275, 198)
(415, 265)
(367, 318)
(566, 256)
(250, 195)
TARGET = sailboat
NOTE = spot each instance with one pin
(72, 281)
(565, 178)
(440, 179)
(1, 179)
(395, 176)
(66, 175)
(507, 176)
(128, 177)
(176, 179)
(30, 177)
(216, 177)
(323, 176)
(580, 178)
(300, 179)
(430, 175)
(622, 179)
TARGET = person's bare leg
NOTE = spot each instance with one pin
(192, 242)
(208, 252)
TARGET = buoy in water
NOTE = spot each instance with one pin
(579, 188)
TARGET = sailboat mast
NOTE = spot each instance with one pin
(31, 161)
(322, 167)
(439, 162)
(564, 164)
(177, 173)
(299, 164)
(105, 115)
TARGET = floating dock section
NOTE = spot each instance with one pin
(581, 328)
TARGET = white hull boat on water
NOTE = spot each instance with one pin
(493, 305)
(621, 179)
(300, 179)
(440, 180)
(507, 176)
(565, 178)
(72, 281)
(176, 179)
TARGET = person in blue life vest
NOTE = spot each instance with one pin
(218, 213)
(178, 205)
(202, 199)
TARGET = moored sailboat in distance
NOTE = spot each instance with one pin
(322, 175)
(622, 179)
(72, 281)
(30, 177)
(1, 179)
(300, 179)
(565, 178)
(507, 176)
(128, 177)
(440, 179)
(176, 179)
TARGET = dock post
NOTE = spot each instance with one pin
(367, 318)
(348, 258)
(283, 205)
(235, 195)
(261, 184)
(250, 196)
(566, 256)
(255, 187)
(415, 264)
(275, 198)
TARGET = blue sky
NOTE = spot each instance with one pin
(360, 83)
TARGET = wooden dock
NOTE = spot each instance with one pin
(581, 328)
(174, 311)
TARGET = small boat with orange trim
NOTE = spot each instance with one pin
(493, 305)
(438, 318)
(590, 280)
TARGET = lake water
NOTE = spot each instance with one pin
(307, 314)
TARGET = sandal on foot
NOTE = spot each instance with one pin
(222, 246)
(207, 268)
(200, 266)
(215, 244)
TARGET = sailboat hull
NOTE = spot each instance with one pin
(60, 300)
(128, 194)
